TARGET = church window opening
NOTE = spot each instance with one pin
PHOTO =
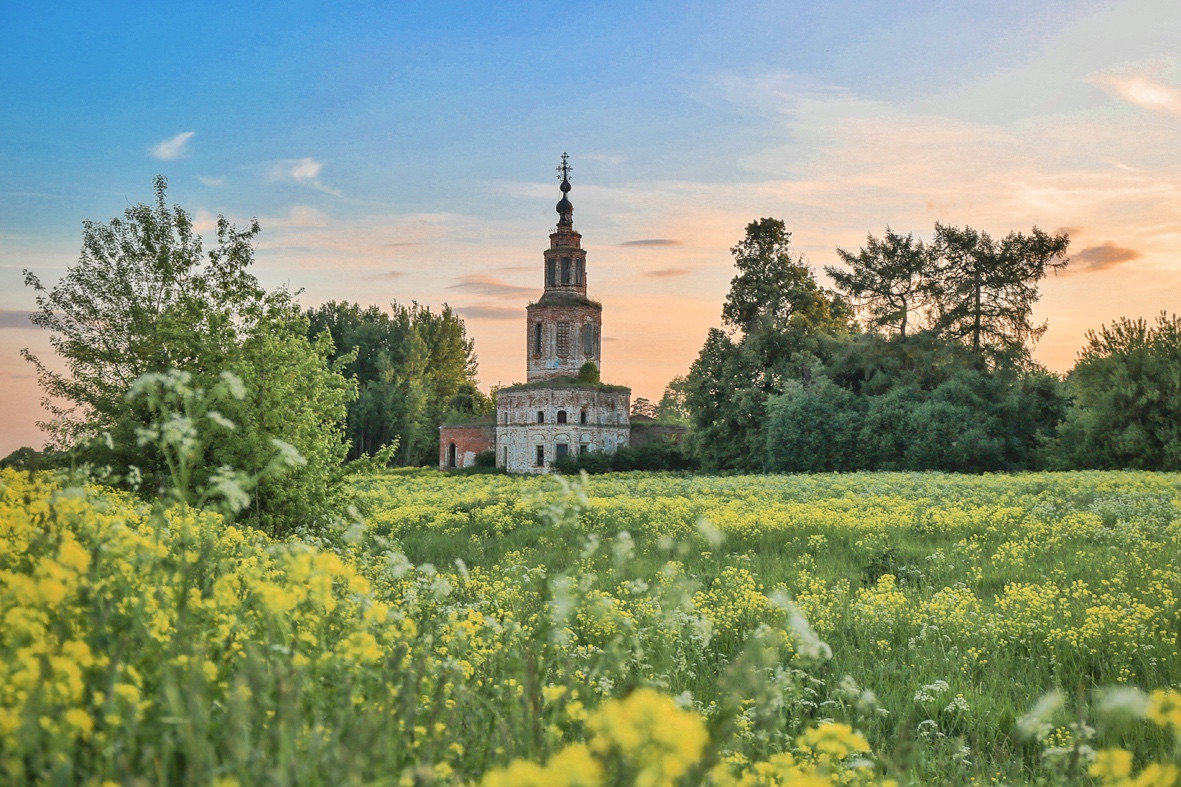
(588, 339)
(537, 338)
(565, 270)
(563, 339)
(541, 416)
(451, 454)
(580, 272)
(582, 417)
(561, 452)
(504, 453)
(539, 458)
(551, 276)
(561, 416)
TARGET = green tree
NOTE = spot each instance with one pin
(643, 407)
(984, 290)
(671, 406)
(415, 368)
(814, 428)
(888, 279)
(145, 298)
(783, 323)
(1126, 411)
(774, 287)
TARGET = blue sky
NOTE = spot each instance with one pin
(406, 152)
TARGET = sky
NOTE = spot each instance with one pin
(406, 151)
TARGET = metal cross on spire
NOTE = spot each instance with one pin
(564, 169)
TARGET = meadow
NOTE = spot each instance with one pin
(629, 628)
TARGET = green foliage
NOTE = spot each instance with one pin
(787, 321)
(144, 299)
(984, 290)
(889, 279)
(658, 454)
(671, 408)
(800, 390)
(643, 407)
(30, 459)
(1126, 411)
(415, 369)
(589, 373)
(814, 428)
(773, 288)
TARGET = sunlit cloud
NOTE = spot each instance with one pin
(652, 242)
(487, 311)
(1101, 258)
(297, 216)
(172, 149)
(667, 273)
(482, 284)
(384, 275)
(305, 171)
(16, 319)
(211, 182)
(1142, 89)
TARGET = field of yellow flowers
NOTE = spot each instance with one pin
(627, 629)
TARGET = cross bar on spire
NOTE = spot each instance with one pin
(564, 169)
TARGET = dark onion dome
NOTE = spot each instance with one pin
(565, 206)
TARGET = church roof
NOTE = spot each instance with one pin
(565, 298)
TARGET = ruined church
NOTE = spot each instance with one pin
(562, 408)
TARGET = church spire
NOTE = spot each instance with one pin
(565, 208)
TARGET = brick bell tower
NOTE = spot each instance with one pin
(563, 328)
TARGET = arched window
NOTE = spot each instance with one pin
(582, 417)
(541, 416)
(539, 459)
(580, 272)
(551, 267)
(588, 339)
(565, 270)
(537, 338)
(451, 454)
(561, 416)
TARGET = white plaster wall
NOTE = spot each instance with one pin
(518, 434)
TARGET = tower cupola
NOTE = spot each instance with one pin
(564, 325)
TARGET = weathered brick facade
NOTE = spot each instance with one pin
(554, 414)
(537, 425)
(459, 444)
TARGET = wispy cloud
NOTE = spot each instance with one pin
(211, 182)
(651, 242)
(14, 318)
(1102, 257)
(487, 311)
(667, 273)
(172, 149)
(1142, 89)
(305, 171)
(297, 216)
(384, 276)
(482, 284)
(611, 159)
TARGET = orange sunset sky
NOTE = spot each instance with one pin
(400, 155)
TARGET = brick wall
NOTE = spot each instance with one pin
(468, 440)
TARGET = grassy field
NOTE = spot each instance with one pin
(630, 628)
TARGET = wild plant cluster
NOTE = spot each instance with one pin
(630, 629)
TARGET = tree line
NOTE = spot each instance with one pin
(919, 359)
(181, 375)
(175, 362)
